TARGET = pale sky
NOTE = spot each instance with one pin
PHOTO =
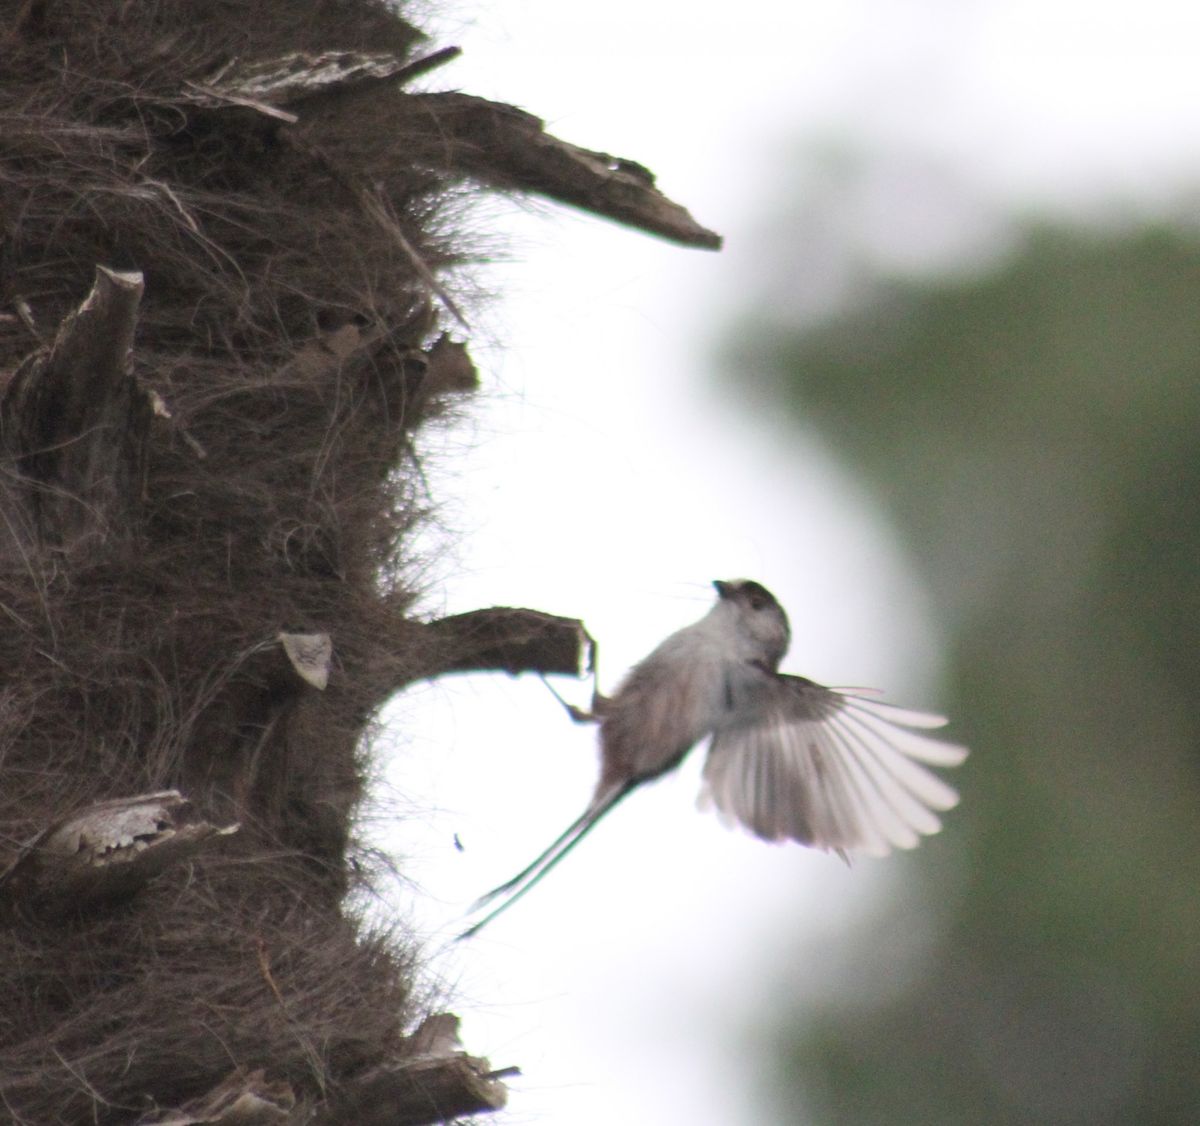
(603, 474)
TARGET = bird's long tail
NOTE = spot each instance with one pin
(512, 890)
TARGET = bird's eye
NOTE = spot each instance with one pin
(757, 602)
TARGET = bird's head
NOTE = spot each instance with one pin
(761, 624)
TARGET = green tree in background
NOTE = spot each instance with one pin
(1035, 436)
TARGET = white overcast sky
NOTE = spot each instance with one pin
(602, 474)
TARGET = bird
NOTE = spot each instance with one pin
(788, 759)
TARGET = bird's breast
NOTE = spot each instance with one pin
(661, 711)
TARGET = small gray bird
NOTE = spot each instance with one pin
(788, 758)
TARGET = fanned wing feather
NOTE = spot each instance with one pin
(830, 769)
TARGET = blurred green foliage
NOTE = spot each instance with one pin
(1035, 435)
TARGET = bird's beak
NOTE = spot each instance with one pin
(724, 589)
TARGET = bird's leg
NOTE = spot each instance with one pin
(578, 714)
(599, 702)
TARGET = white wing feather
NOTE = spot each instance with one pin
(830, 769)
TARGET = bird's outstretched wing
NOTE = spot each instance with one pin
(830, 769)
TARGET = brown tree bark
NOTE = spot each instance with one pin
(223, 317)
